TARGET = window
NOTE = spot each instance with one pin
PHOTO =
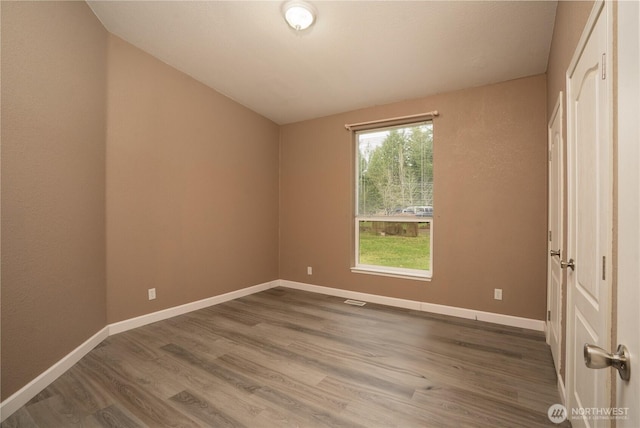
(394, 200)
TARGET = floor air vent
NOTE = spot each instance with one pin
(355, 302)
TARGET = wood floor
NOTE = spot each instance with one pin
(285, 358)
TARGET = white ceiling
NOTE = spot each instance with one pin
(357, 54)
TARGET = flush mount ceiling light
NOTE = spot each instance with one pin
(299, 15)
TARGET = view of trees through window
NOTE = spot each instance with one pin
(395, 198)
(395, 169)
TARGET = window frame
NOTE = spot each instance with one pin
(396, 272)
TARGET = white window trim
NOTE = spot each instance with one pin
(415, 274)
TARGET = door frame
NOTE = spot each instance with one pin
(599, 7)
(558, 114)
(627, 394)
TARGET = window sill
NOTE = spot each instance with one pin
(404, 274)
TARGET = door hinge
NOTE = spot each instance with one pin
(549, 236)
(604, 66)
(604, 268)
(548, 315)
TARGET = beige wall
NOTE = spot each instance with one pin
(192, 188)
(571, 17)
(190, 180)
(53, 184)
(186, 183)
(490, 161)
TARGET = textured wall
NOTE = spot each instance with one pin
(571, 17)
(192, 188)
(489, 200)
(53, 184)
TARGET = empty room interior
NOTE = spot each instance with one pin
(215, 215)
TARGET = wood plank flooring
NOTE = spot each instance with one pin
(287, 358)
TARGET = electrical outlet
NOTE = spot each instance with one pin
(309, 270)
(152, 293)
(497, 293)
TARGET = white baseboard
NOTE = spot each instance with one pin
(372, 298)
(136, 322)
(33, 388)
(509, 320)
(21, 397)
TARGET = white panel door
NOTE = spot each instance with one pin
(589, 218)
(554, 272)
(628, 314)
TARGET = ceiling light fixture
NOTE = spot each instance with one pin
(299, 15)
